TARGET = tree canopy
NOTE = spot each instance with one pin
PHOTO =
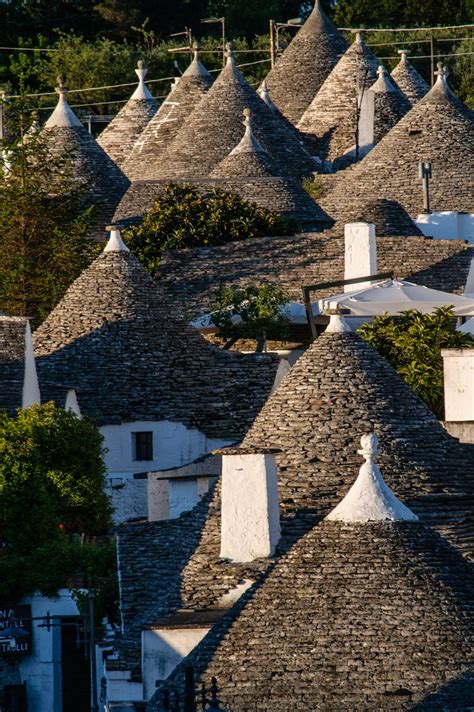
(412, 344)
(44, 227)
(183, 217)
(52, 499)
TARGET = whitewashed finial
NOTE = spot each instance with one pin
(63, 115)
(441, 74)
(403, 55)
(72, 405)
(230, 54)
(115, 243)
(265, 94)
(142, 91)
(31, 390)
(196, 68)
(249, 143)
(337, 325)
(359, 37)
(383, 83)
(370, 499)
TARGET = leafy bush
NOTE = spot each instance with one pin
(260, 309)
(52, 500)
(182, 217)
(412, 344)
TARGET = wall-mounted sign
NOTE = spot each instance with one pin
(15, 630)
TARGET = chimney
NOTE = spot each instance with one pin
(459, 393)
(250, 512)
(360, 253)
(31, 390)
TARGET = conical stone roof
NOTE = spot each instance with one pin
(331, 118)
(388, 216)
(339, 389)
(304, 65)
(66, 135)
(357, 616)
(185, 94)
(118, 138)
(119, 342)
(439, 129)
(390, 104)
(409, 80)
(253, 173)
(213, 130)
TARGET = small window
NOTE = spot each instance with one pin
(142, 446)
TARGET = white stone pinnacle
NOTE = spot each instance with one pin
(383, 83)
(442, 75)
(72, 404)
(115, 243)
(230, 54)
(196, 68)
(249, 143)
(142, 91)
(63, 115)
(337, 325)
(370, 499)
(31, 390)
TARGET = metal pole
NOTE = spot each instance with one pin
(432, 59)
(224, 58)
(94, 704)
(272, 42)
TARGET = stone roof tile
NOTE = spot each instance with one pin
(214, 128)
(372, 616)
(123, 345)
(409, 80)
(119, 137)
(439, 129)
(186, 92)
(91, 164)
(193, 277)
(330, 120)
(304, 65)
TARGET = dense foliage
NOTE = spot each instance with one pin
(182, 217)
(402, 13)
(116, 18)
(253, 313)
(412, 344)
(43, 228)
(52, 501)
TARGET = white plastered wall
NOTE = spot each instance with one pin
(459, 384)
(174, 445)
(42, 669)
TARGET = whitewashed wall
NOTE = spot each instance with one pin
(42, 669)
(448, 225)
(174, 445)
(163, 650)
(459, 384)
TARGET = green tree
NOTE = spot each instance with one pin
(402, 13)
(182, 217)
(260, 311)
(412, 344)
(44, 226)
(52, 500)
